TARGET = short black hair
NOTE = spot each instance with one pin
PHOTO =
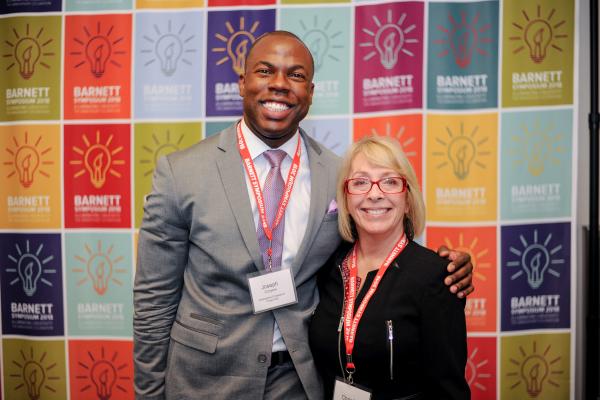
(281, 33)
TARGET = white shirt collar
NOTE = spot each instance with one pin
(256, 146)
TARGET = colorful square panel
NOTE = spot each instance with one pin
(406, 129)
(34, 369)
(15, 6)
(480, 243)
(31, 57)
(97, 5)
(388, 56)
(31, 283)
(30, 180)
(537, 52)
(101, 369)
(153, 141)
(461, 167)
(229, 37)
(99, 284)
(536, 163)
(462, 72)
(97, 79)
(168, 65)
(481, 367)
(536, 276)
(332, 133)
(535, 367)
(326, 32)
(97, 176)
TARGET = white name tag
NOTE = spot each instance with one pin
(345, 391)
(270, 290)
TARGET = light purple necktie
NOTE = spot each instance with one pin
(272, 192)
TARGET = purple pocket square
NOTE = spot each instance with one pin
(332, 207)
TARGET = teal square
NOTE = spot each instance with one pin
(326, 32)
(536, 177)
(99, 284)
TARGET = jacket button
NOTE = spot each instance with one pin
(262, 358)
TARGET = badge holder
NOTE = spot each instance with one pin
(346, 391)
(272, 289)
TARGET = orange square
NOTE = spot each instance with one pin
(101, 369)
(407, 129)
(97, 66)
(480, 243)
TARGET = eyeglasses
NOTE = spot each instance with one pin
(389, 185)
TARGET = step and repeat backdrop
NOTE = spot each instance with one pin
(480, 94)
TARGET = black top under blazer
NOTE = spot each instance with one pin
(429, 330)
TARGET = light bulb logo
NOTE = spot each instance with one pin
(475, 370)
(168, 51)
(28, 51)
(104, 377)
(464, 38)
(98, 50)
(538, 34)
(236, 45)
(31, 267)
(27, 160)
(33, 375)
(104, 374)
(536, 147)
(389, 40)
(34, 378)
(534, 370)
(170, 48)
(98, 160)
(536, 260)
(100, 267)
(320, 41)
(462, 151)
(160, 148)
(27, 54)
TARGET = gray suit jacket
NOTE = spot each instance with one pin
(195, 335)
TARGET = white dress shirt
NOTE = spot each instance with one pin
(296, 213)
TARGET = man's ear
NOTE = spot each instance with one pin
(312, 91)
(242, 84)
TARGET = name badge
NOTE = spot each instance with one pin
(345, 391)
(270, 290)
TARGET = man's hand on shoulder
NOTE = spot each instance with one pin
(460, 269)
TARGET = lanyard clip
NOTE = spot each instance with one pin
(350, 368)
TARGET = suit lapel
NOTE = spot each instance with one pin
(318, 199)
(234, 183)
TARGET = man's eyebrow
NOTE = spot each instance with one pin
(268, 64)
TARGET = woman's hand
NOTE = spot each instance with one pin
(461, 270)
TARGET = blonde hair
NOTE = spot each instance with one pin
(382, 152)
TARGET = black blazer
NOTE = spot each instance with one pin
(428, 351)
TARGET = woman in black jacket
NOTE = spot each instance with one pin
(386, 326)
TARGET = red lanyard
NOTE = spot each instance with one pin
(257, 191)
(352, 320)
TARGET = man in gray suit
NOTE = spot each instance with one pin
(197, 334)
